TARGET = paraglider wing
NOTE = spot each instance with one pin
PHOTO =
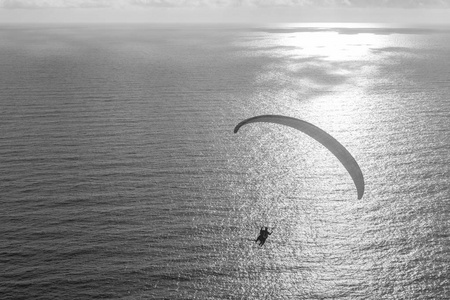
(322, 137)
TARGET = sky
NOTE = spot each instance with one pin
(224, 11)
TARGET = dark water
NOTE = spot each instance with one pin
(121, 178)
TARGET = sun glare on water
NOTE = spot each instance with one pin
(330, 44)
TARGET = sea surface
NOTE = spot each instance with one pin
(121, 177)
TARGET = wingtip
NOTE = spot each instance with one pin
(236, 129)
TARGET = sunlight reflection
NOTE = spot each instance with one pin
(331, 46)
(325, 76)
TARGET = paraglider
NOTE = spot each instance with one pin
(322, 137)
(263, 235)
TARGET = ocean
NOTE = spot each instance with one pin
(121, 177)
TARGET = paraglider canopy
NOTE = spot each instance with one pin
(322, 137)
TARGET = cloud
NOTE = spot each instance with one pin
(400, 3)
(35, 4)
